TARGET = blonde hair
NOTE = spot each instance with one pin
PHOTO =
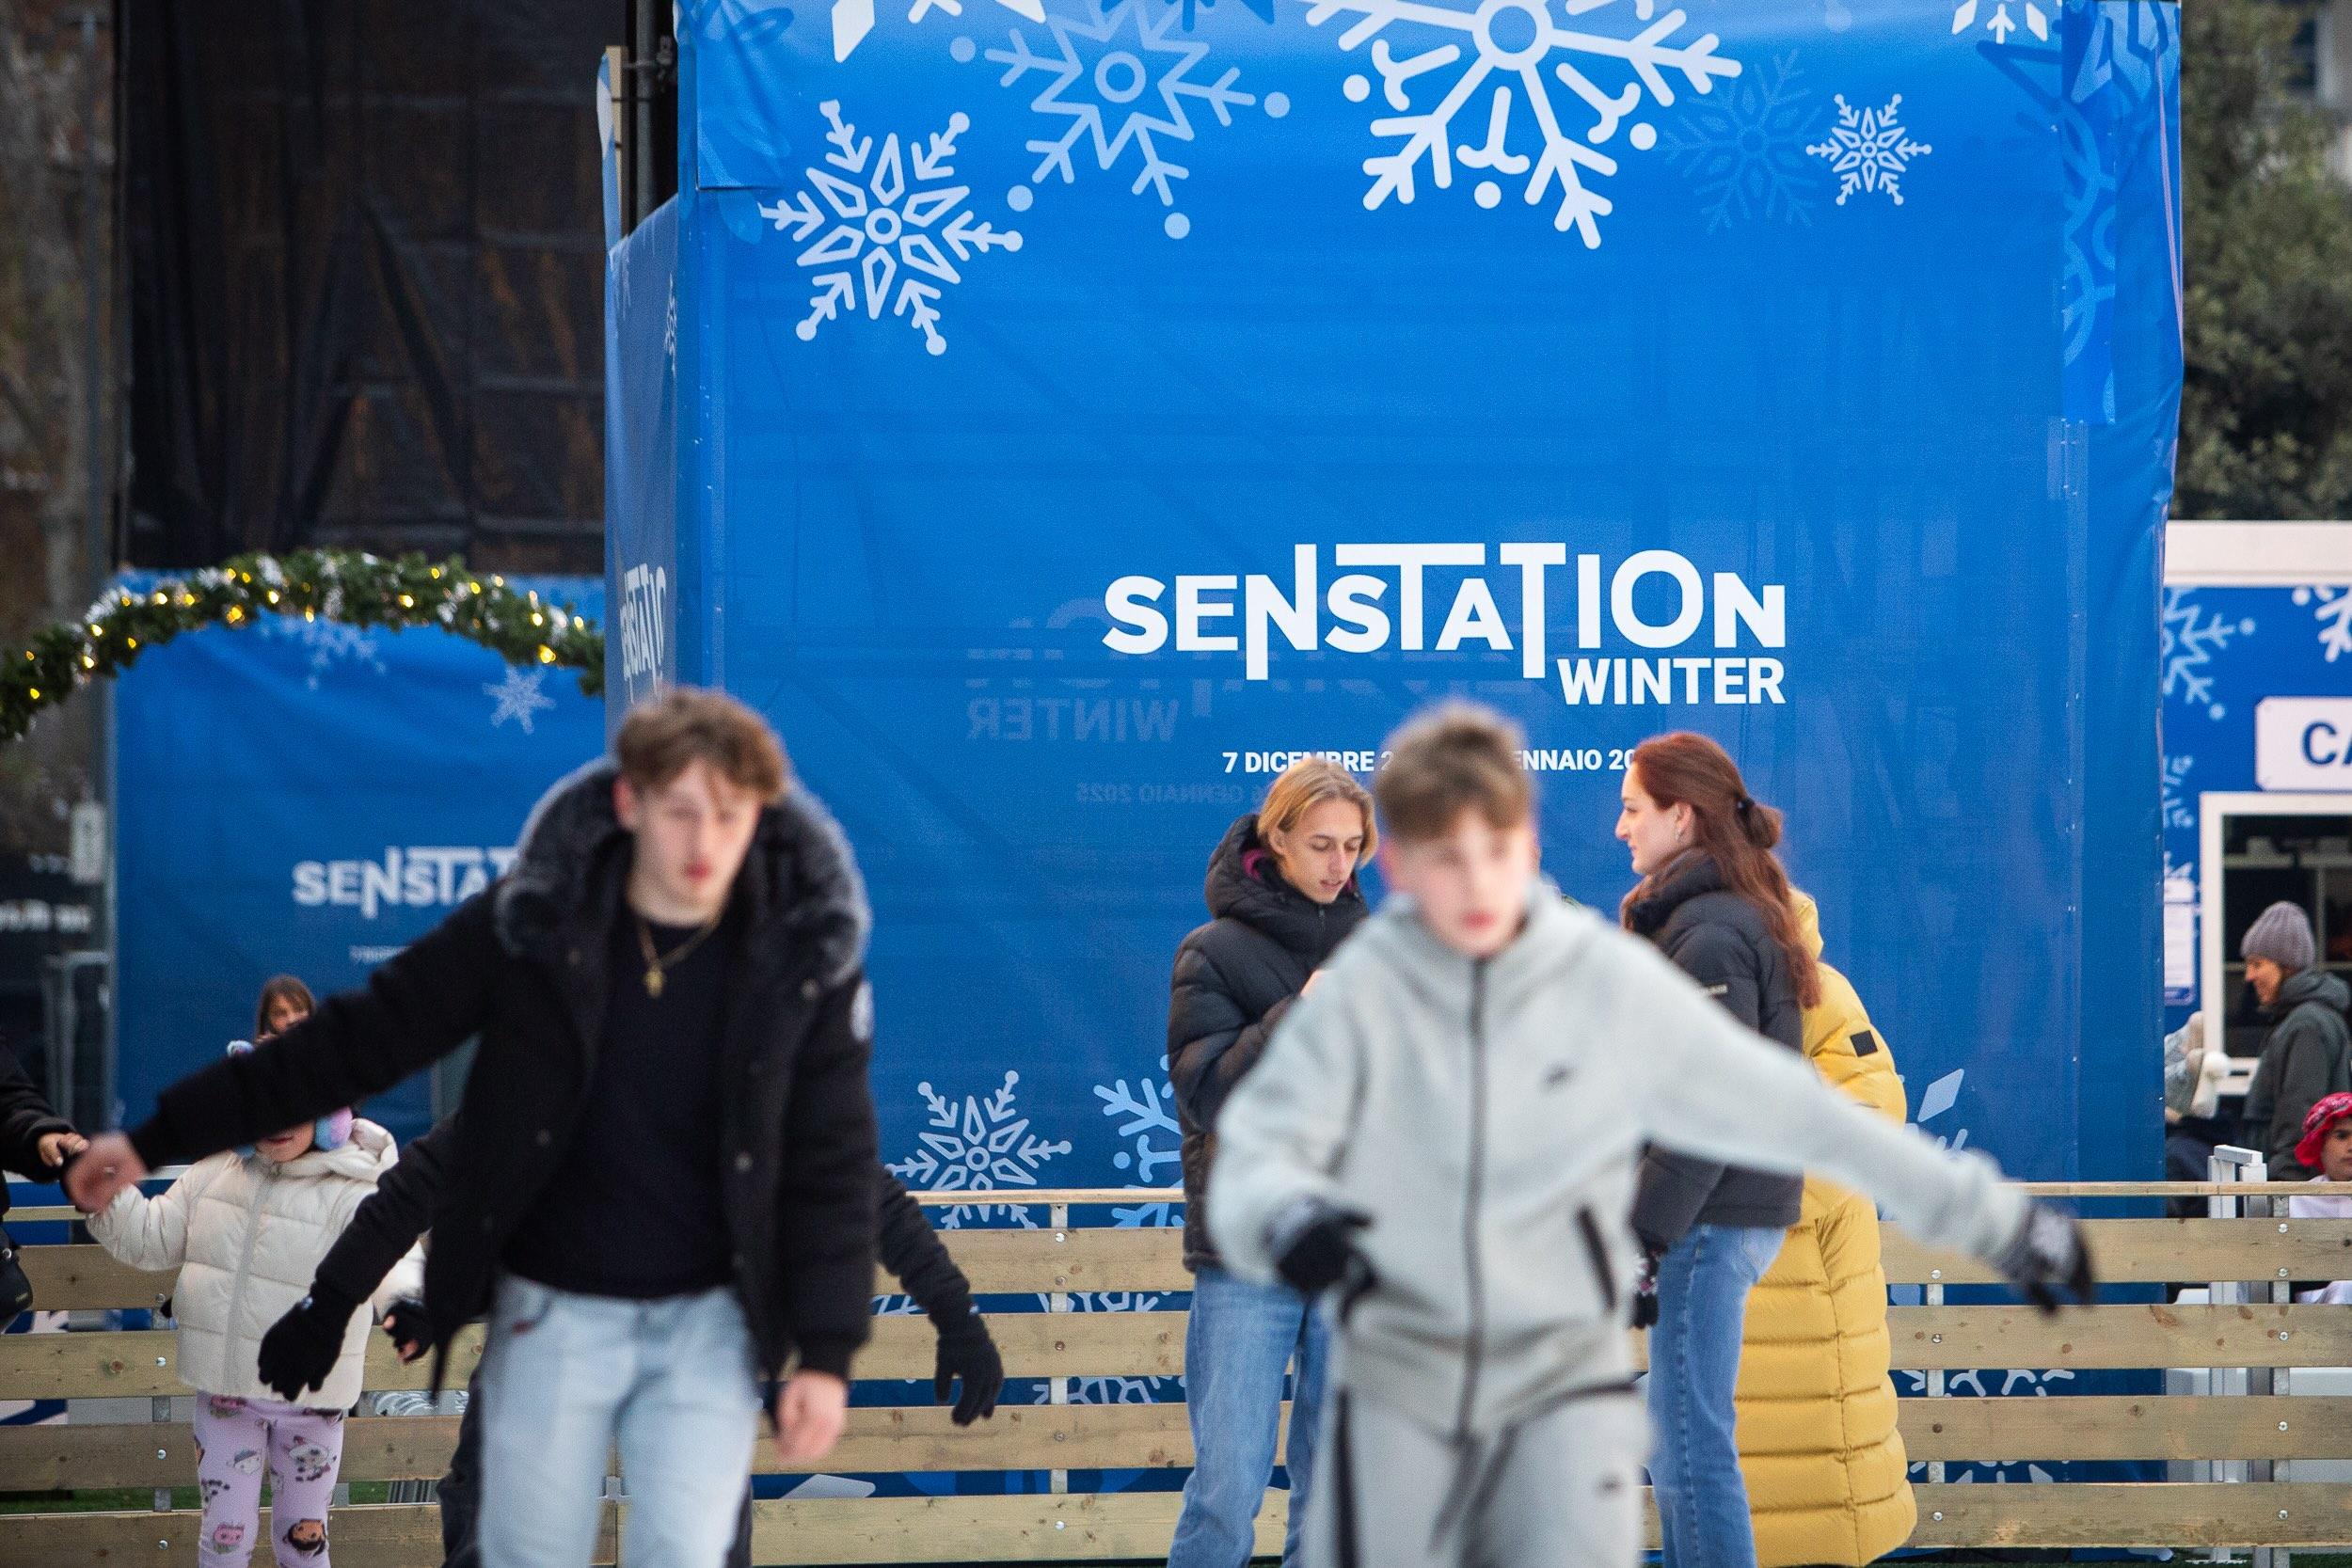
(1305, 784)
(1456, 757)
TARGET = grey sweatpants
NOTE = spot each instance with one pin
(1563, 1487)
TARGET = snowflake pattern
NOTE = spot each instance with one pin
(900, 216)
(1473, 58)
(1121, 82)
(2000, 24)
(2176, 808)
(1742, 149)
(1942, 1096)
(2332, 609)
(2191, 638)
(1155, 1157)
(330, 642)
(1869, 150)
(977, 1146)
(518, 697)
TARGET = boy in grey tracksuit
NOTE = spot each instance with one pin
(1447, 1128)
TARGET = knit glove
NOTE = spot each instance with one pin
(409, 1327)
(967, 1350)
(300, 1350)
(1646, 1290)
(2048, 1260)
(1314, 1246)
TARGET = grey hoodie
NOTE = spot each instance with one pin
(1488, 1117)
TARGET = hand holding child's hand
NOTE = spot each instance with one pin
(107, 1164)
(56, 1148)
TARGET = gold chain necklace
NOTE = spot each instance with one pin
(657, 962)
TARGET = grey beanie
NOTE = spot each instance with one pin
(2282, 934)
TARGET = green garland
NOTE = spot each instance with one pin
(347, 586)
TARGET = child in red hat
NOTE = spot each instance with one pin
(2326, 1147)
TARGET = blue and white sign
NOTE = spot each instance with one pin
(306, 797)
(1085, 405)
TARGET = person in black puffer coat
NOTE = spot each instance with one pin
(1715, 900)
(1282, 887)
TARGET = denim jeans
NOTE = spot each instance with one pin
(673, 1381)
(1241, 1339)
(1702, 1285)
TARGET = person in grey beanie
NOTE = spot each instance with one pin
(2309, 1052)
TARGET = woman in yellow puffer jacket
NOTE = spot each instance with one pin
(1825, 1467)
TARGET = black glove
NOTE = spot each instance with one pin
(1316, 1248)
(410, 1328)
(1646, 1290)
(2048, 1257)
(300, 1349)
(967, 1350)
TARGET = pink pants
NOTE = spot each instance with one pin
(304, 1451)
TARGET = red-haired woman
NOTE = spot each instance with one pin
(1715, 898)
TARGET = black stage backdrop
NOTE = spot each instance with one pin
(365, 250)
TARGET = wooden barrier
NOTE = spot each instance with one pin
(918, 1437)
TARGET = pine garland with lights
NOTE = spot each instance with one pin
(347, 586)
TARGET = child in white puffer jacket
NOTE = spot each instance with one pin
(247, 1232)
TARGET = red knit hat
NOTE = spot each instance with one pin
(2331, 1109)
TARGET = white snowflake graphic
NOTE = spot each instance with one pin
(1121, 82)
(518, 697)
(1481, 65)
(2332, 609)
(1155, 1158)
(1942, 1096)
(1869, 150)
(2191, 638)
(1743, 148)
(900, 216)
(2176, 810)
(977, 1146)
(330, 642)
(2000, 24)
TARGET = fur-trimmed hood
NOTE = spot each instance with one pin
(799, 871)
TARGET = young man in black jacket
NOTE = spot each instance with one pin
(299, 1351)
(663, 1178)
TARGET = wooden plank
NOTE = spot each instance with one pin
(378, 1535)
(103, 1456)
(1136, 1526)
(143, 1362)
(1039, 1261)
(2160, 1251)
(2088, 1427)
(1954, 1338)
(1034, 1344)
(2146, 1514)
(86, 1276)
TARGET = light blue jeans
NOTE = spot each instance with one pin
(1702, 1285)
(674, 1382)
(1241, 1339)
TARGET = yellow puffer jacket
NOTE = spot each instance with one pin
(1818, 1445)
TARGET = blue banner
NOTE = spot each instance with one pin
(306, 797)
(1088, 406)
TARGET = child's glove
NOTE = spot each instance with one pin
(2047, 1256)
(409, 1327)
(1646, 1290)
(300, 1350)
(1314, 1246)
(967, 1350)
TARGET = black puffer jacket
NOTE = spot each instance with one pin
(25, 1118)
(1236, 978)
(2306, 1056)
(523, 965)
(1718, 939)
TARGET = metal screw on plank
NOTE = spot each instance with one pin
(2282, 1273)
(1935, 1273)
(2282, 1513)
(1935, 1339)
(2282, 1230)
(159, 1361)
(160, 1454)
(1939, 1515)
(2282, 1426)
(1059, 1236)
(1059, 1525)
